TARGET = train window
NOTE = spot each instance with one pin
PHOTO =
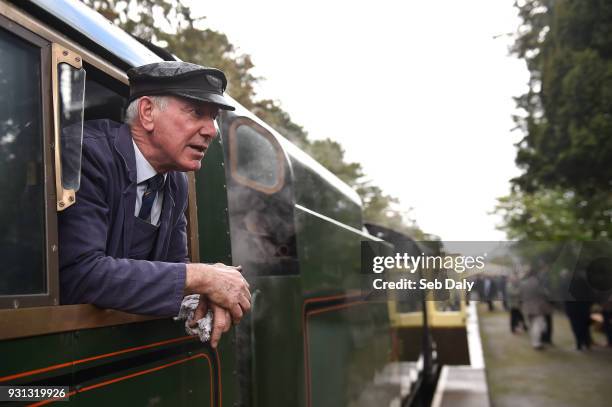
(22, 207)
(255, 158)
(408, 302)
(104, 99)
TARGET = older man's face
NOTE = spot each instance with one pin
(182, 133)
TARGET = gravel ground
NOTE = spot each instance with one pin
(558, 376)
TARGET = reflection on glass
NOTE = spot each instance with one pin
(71, 92)
(256, 157)
(327, 200)
(21, 169)
(407, 302)
(453, 303)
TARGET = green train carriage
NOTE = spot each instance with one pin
(259, 201)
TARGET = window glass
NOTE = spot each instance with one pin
(21, 169)
(407, 302)
(453, 303)
(71, 92)
(101, 101)
(256, 157)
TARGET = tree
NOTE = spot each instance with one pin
(271, 112)
(169, 24)
(554, 215)
(566, 150)
(331, 155)
(567, 45)
(378, 207)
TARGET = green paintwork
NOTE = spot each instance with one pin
(329, 255)
(318, 193)
(27, 354)
(346, 348)
(211, 196)
(162, 388)
(215, 246)
(147, 387)
(22, 355)
(277, 361)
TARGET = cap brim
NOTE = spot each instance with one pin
(218, 100)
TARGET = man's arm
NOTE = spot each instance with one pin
(89, 275)
(223, 285)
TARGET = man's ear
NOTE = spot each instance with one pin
(145, 113)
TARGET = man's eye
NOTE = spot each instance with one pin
(200, 113)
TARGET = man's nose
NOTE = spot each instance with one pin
(208, 130)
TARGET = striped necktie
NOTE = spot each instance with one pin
(153, 184)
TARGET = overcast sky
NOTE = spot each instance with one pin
(419, 92)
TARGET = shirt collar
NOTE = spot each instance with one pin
(144, 170)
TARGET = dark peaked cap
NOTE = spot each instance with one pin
(181, 79)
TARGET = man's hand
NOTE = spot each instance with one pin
(221, 319)
(223, 285)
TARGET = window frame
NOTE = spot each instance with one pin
(50, 255)
(64, 197)
(233, 156)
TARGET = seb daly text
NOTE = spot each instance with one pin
(423, 284)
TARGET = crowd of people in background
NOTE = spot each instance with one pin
(529, 300)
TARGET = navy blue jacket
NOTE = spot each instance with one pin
(95, 233)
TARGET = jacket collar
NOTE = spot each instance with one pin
(125, 148)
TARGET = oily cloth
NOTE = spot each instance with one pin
(186, 313)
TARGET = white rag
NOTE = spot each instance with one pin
(204, 327)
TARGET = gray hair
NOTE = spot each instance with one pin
(131, 113)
